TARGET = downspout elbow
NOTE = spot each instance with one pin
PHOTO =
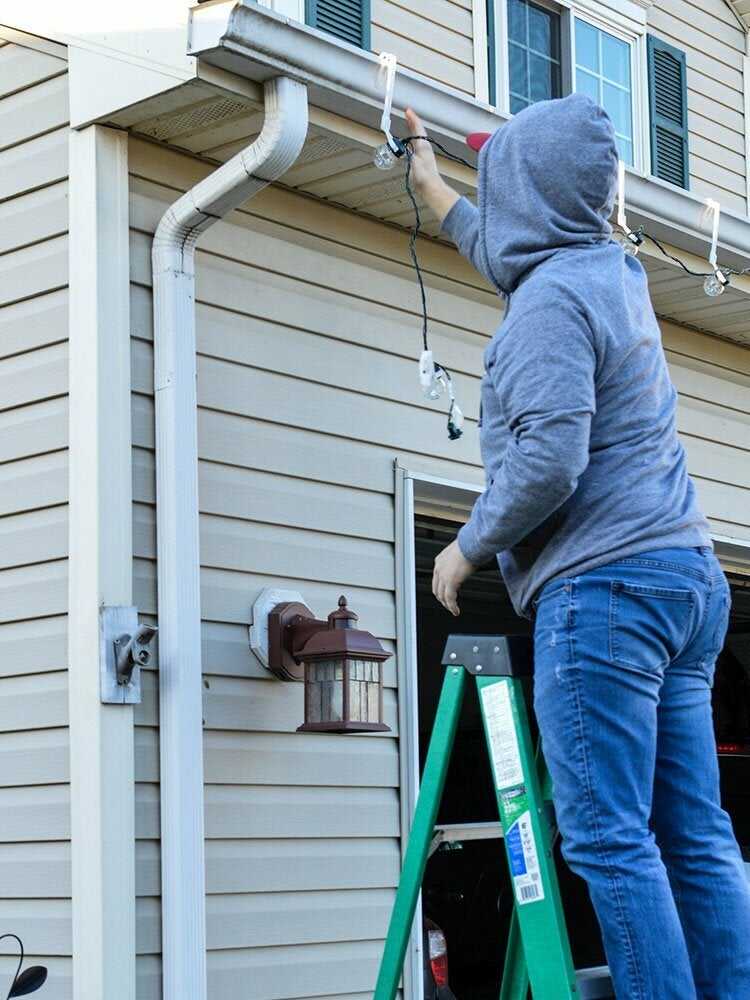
(261, 163)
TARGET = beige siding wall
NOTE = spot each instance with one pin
(713, 381)
(308, 335)
(433, 37)
(34, 801)
(308, 338)
(710, 35)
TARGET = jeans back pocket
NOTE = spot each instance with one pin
(648, 626)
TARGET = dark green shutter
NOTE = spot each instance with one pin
(348, 20)
(667, 86)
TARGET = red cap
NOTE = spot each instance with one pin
(477, 139)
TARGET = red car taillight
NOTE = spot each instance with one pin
(438, 956)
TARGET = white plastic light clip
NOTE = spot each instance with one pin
(387, 73)
(714, 207)
(428, 376)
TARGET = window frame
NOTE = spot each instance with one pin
(629, 26)
(555, 9)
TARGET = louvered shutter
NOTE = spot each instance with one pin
(667, 84)
(348, 20)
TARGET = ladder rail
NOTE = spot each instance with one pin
(423, 825)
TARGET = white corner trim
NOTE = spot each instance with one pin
(746, 84)
(481, 57)
(100, 565)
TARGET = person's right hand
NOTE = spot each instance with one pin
(423, 164)
(428, 183)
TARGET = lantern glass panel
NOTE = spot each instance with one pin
(364, 690)
(324, 680)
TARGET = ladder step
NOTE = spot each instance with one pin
(594, 983)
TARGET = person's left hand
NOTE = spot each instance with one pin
(451, 569)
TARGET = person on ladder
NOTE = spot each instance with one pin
(600, 539)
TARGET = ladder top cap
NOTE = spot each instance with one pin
(490, 655)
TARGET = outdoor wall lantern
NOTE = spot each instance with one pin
(341, 666)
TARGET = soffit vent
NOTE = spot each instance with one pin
(196, 118)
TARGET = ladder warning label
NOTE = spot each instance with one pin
(524, 861)
(506, 756)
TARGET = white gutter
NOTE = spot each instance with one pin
(253, 42)
(180, 684)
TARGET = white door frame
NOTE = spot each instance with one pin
(450, 499)
(423, 494)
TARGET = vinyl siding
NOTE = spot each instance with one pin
(34, 767)
(308, 334)
(432, 37)
(714, 43)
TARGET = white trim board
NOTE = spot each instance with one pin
(100, 569)
(481, 55)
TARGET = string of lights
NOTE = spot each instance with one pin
(434, 377)
(715, 281)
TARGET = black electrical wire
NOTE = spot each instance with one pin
(454, 432)
(727, 271)
(413, 235)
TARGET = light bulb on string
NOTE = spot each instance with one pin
(629, 240)
(430, 378)
(715, 283)
(387, 153)
(383, 157)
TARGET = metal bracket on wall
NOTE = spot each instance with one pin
(124, 647)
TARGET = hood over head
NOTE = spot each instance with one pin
(547, 180)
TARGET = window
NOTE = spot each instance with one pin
(533, 53)
(541, 49)
(603, 72)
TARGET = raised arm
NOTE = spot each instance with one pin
(458, 217)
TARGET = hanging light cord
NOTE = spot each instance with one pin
(453, 431)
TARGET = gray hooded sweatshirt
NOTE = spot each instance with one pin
(577, 420)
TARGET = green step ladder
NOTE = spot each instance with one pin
(538, 955)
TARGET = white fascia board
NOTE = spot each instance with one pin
(102, 84)
(255, 43)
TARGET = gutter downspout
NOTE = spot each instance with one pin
(180, 683)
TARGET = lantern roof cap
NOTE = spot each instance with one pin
(344, 617)
(341, 640)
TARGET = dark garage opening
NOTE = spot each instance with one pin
(466, 889)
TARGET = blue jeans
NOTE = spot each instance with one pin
(624, 665)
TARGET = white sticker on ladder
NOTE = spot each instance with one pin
(506, 755)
